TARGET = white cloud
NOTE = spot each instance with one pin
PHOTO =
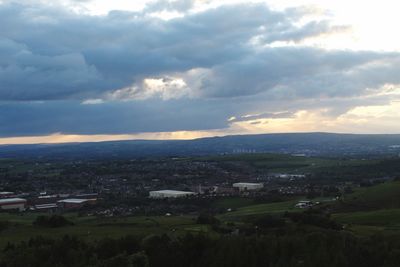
(93, 102)
(165, 88)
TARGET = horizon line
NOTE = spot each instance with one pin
(60, 138)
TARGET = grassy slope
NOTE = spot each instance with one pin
(384, 217)
(381, 205)
(383, 196)
(258, 209)
(94, 228)
(372, 210)
(233, 202)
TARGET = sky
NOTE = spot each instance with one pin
(98, 70)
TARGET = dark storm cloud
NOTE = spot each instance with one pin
(290, 73)
(50, 53)
(36, 118)
(227, 56)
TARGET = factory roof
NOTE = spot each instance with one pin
(175, 192)
(46, 206)
(239, 184)
(74, 200)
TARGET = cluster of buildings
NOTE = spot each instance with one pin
(169, 194)
(48, 202)
(248, 186)
(288, 176)
(10, 201)
(239, 187)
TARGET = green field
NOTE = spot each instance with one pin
(259, 209)
(379, 209)
(233, 202)
(384, 217)
(371, 210)
(21, 227)
(92, 228)
(386, 195)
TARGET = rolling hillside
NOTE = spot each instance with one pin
(383, 196)
(310, 144)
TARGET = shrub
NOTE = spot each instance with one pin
(52, 221)
(206, 218)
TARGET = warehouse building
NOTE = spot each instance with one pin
(75, 203)
(45, 207)
(169, 194)
(13, 204)
(248, 186)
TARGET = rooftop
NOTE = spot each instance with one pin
(74, 200)
(46, 206)
(247, 183)
(11, 200)
(176, 192)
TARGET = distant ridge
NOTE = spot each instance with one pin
(309, 144)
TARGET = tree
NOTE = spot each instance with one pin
(52, 221)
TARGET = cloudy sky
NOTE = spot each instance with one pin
(93, 70)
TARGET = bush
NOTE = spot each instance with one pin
(52, 221)
(4, 225)
(269, 221)
(206, 218)
(314, 219)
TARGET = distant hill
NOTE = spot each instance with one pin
(309, 144)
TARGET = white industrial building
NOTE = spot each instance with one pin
(169, 194)
(74, 203)
(13, 204)
(304, 204)
(248, 186)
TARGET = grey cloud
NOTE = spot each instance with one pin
(25, 75)
(293, 72)
(268, 115)
(51, 53)
(70, 117)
